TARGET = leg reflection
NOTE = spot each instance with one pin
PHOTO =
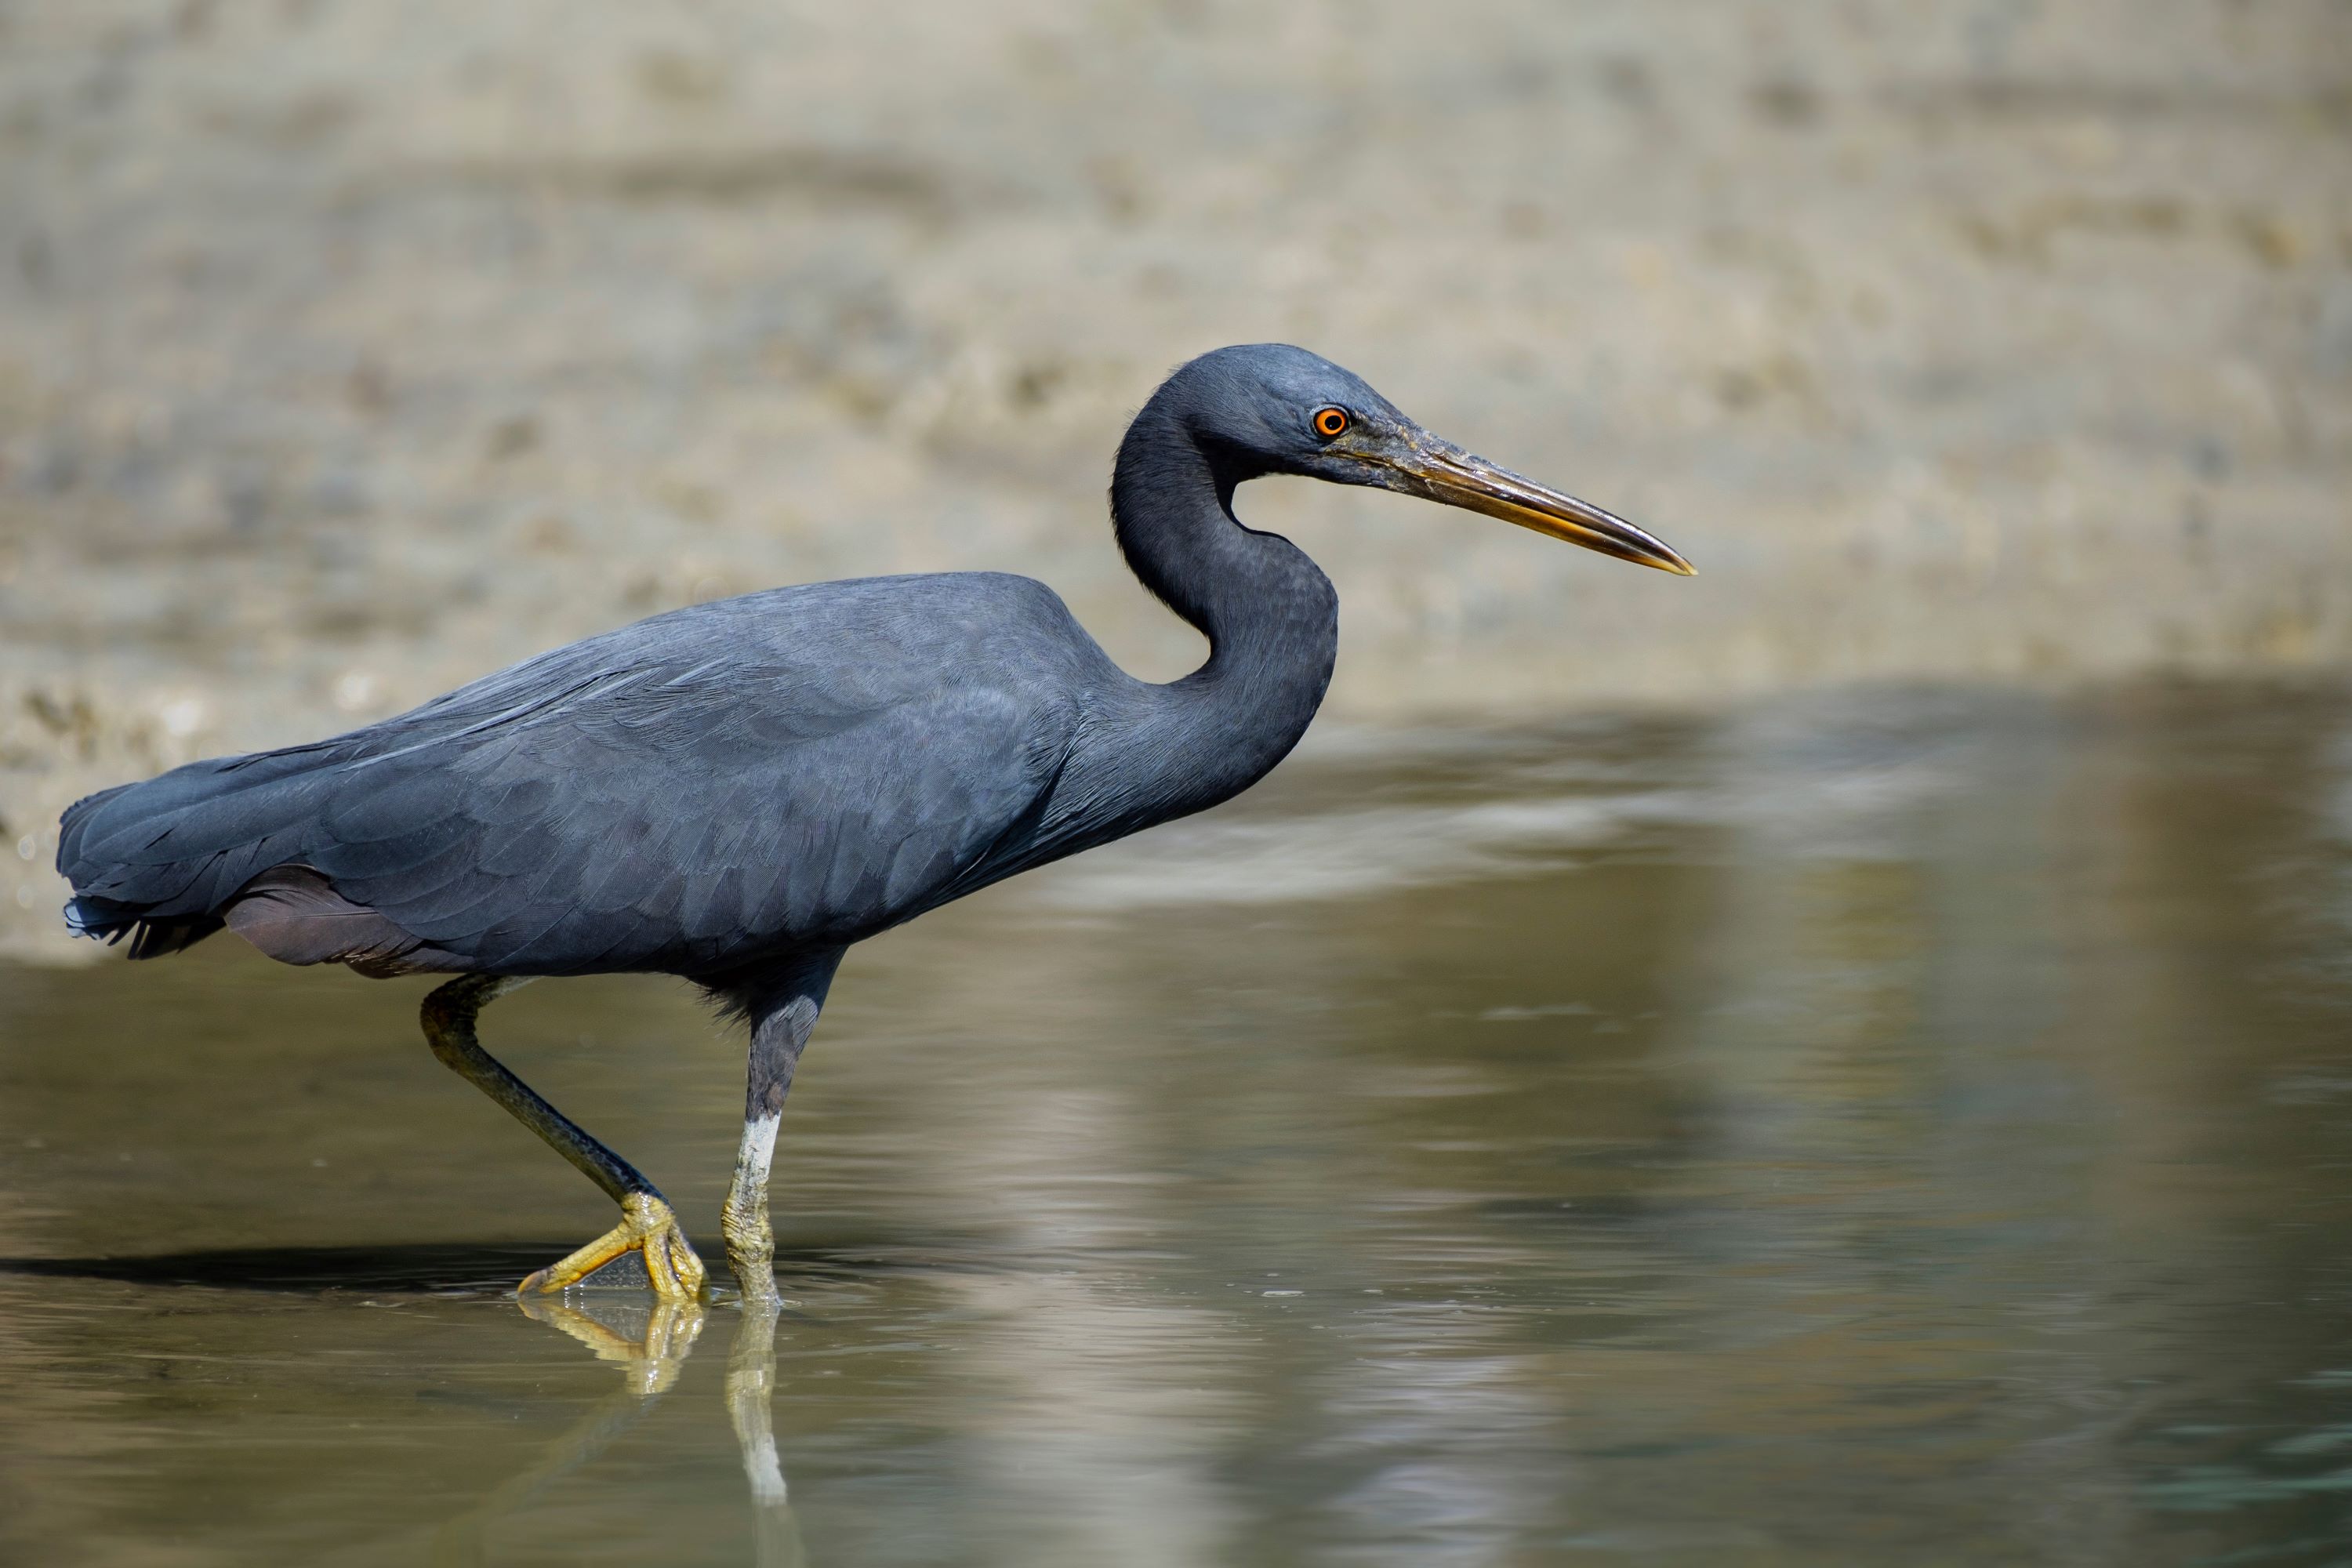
(750, 1385)
(650, 1341)
(651, 1360)
(650, 1346)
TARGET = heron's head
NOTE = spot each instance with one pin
(1271, 408)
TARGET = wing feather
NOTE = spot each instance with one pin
(806, 765)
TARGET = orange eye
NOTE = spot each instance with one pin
(1330, 422)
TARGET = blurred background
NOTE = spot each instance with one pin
(1844, 1058)
(349, 351)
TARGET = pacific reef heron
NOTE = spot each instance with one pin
(737, 792)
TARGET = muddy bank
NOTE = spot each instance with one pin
(347, 351)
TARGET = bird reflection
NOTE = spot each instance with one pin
(751, 1382)
(649, 1342)
(650, 1346)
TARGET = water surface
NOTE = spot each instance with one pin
(1900, 1127)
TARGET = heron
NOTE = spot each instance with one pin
(740, 791)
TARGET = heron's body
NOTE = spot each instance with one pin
(700, 793)
(739, 791)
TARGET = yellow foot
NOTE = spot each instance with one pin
(751, 1250)
(647, 1226)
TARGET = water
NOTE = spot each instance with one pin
(1908, 1127)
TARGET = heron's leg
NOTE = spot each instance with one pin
(782, 1015)
(777, 1039)
(647, 1224)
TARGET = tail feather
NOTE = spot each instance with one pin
(108, 922)
(203, 807)
(158, 862)
(154, 939)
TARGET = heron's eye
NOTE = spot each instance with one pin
(1330, 422)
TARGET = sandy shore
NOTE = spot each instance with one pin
(349, 351)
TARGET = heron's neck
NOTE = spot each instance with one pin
(1271, 617)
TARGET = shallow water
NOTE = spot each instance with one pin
(1908, 1127)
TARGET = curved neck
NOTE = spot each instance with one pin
(1271, 617)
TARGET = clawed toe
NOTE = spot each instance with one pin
(648, 1226)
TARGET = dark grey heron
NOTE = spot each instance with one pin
(737, 792)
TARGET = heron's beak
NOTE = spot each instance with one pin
(1440, 471)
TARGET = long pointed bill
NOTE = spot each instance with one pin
(1441, 472)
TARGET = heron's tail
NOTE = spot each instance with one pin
(158, 861)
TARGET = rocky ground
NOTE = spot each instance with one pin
(347, 351)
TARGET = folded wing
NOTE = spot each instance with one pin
(686, 793)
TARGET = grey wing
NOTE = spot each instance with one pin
(687, 796)
(692, 829)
